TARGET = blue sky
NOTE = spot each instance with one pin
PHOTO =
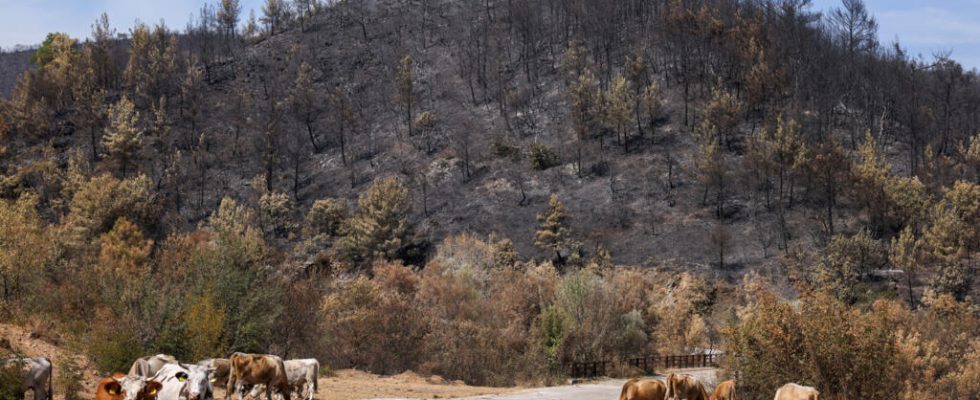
(924, 27)
(29, 21)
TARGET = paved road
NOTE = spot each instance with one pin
(607, 389)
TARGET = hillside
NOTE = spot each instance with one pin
(442, 186)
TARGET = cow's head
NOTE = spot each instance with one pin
(134, 388)
(198, 385)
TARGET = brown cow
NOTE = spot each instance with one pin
(724, 391)
(122, 387)
(792, 391)
(254, 369)
(643, 389)
(685, 387)
(220, 368)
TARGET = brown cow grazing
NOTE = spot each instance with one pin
(685, 387)
(122, 387)
(724, 391)
(792, 391)
(255, 369)
(643, 389)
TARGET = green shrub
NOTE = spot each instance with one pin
(325, 217)
(543, 157)
(10, 383)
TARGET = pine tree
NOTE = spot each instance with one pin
(124, 251)
(191, 98)
(152, 63)
(651, 102)
(406, 89)
(123, 139)
(326, 217)
(251, 29)
(906, 254)
(379, 227)
(272, 15)
(304, 102)
(553, 233)
(228, 15)
(618, 101)
(89, 101)
(636, 70)
(345, 116)
(106, 71)
(722, 113)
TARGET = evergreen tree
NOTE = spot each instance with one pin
(89, 101)
(228, 15)
(273, 14)
(406, 89)
(651, 102)
(379, 227)
(553, 233)
(618, 100)
(123, 139)
(304, 102)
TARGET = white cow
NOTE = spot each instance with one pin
(150, 365)
(35, 374)
(299, 373)
(184, 382)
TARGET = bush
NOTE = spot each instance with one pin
(99, 202)
(845, 264)
(10, 383)
(70, 378)
(823, 342)
(276, 209)
(326, 217)
(369, 328)
(112, 346)
(543, 157)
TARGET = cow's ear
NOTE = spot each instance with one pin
(152, 388)
(113, 388)
(181, 376)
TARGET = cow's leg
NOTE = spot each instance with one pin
(268, 391)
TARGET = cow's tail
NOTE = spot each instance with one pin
(50, 395)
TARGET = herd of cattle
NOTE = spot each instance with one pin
(162, 377)
(686, 387)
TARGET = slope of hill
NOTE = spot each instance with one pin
(444, 185)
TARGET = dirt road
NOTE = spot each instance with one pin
(607, 389)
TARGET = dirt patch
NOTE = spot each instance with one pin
(40, 343)
(350, 384)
